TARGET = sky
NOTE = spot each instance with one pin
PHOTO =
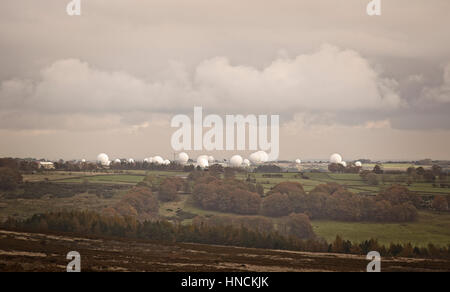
(112, 79)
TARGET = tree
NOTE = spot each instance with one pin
(372, 179)
(300, 226)
(377, 169)
(167, 191)
(436, 169)
(429, 177)
(397, 194)
(260, 189)
(276, 205)
(9, 178)
(411, 171)
(440, 203)
(420, 171)
(336, 167)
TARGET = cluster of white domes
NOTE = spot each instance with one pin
(157, 160)
(358, 164)
(259, 157)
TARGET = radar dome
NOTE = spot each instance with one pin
(259, 157)
(236, 161)
(298, 161)
(358, 164)
(336, 158)
(183, 158)
(202, 161)
(246, 162)
(103, 159)
(158, 160)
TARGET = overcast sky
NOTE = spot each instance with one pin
(112, 79)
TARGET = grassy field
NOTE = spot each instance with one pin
(431, 227)
(353, 182)
(110, 179)
(24, 208)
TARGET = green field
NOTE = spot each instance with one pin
(25, 208)
(110, 179)
(431, 227)
(352, 182)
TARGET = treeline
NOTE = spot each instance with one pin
(435, 175)
(296, 225)
(328, 201)
(94, 224)
(339, 168)
(331, 201)
(10, 176)
(225, 195)
(139, 203)
(37, 190)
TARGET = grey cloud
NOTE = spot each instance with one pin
(328, 80)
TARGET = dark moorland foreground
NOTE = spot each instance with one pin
(22, 252)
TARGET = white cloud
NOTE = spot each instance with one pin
(329, 80)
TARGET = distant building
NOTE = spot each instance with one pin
(46, 165)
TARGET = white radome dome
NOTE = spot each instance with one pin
(118, 161)
(83, 160)
(298, 161)
(259, 157)
(202, 161)
(166, 162)
(336, 158)
(236, 161)
(130, 160)
(183, 158)
(343, 163)
(246, 163)
(211, 159)
(358, 164)
(264, 156)
(103, 159)
(158, 160)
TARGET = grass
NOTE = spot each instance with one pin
(110, 179)
(353, 182)
(25, 208)
(431, 227)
